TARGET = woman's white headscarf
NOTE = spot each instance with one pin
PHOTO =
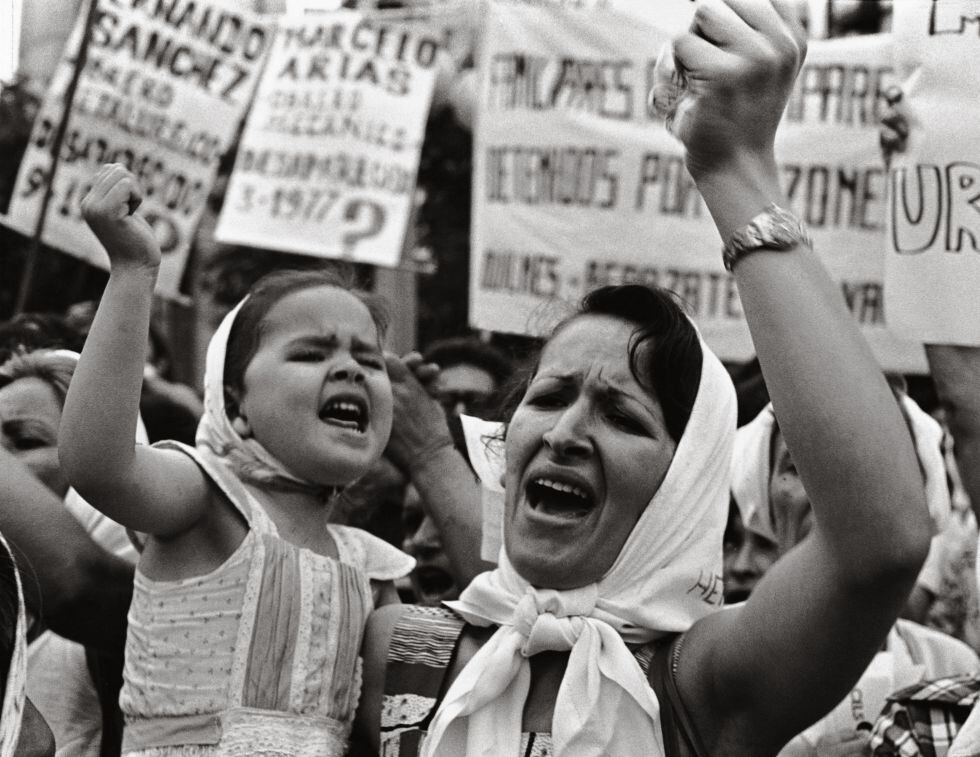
(14, 693)
(667, 576)
(751, 468)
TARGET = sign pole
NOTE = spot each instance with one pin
(27, 277)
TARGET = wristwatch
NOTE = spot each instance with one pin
(775, 228)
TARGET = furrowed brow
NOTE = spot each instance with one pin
(317, 340)
(362, 346)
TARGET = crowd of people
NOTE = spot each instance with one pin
(292, 564)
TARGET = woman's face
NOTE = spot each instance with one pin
(317, 394)
(30, 414)
(587, 449)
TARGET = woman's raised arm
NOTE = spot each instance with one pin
(815, 621)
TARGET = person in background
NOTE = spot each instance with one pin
(23, 730)
(771, 515)
(938, 718)
(169, 409)
(76, 688)
(38, 331)
(471, 375)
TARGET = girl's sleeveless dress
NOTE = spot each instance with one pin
(258, 657)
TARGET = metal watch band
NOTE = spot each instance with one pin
(775, 228)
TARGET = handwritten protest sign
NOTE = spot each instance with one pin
(933, 259)
(835, 178)
(163, 91)
(330, 152)
(576, 184)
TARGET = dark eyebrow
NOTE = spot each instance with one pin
(19, 425)
(316, 340)
(359, 344)
(329, 342)
(609, 391)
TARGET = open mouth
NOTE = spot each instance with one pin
(432, 581)
(559, 499)
(346, 411)
(736, 595)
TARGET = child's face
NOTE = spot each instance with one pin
(316, 393)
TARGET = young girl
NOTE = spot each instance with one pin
(248, 608)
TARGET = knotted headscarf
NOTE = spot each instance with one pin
(666, 577)
(14, 691)
(752, 463)
(247, 457)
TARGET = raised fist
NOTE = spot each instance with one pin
(109, 209)
(738, 62)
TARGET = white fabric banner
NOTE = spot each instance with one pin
(329, 157)
(833, 172)
(933, 258)
(576, 184)
(164, 88)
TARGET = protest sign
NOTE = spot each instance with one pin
(577, 184)
(835, 178)
(933, 257)
(163, 91)
(329, 155)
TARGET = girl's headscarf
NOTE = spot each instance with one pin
(667, 576)
(14, 692)
(752, 463)
(247, 457)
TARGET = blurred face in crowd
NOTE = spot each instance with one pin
(30, 414)
(463, 388)
(747, 557)
(432, 580)
(316, 393)
(587, 448)
(791, 512)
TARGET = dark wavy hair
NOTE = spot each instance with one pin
(247, 330)
(664, 351)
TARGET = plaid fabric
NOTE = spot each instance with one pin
(922, 720)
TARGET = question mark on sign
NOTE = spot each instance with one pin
(353, 213)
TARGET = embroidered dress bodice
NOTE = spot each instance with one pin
(258, 657)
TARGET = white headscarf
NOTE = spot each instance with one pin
(14, 693)
(247, 457)
(752, 462)
(667, 576)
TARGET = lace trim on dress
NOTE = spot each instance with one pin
(301, 659)
(250, 604)
(248, 732)
(327, 633)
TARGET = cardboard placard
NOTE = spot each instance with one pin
(164, 88)
(330, 152)
(933, 257)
